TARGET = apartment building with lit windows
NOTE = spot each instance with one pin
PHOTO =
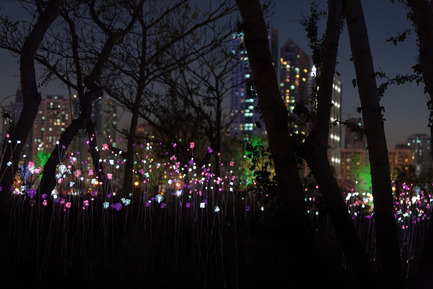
(54, 115)
(244, 114)
(294, 72)
(421, 148)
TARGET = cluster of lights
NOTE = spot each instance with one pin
(180, 180)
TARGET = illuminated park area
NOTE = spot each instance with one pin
(181, 225)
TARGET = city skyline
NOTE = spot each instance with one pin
(405, 106)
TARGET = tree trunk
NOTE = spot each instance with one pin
(275, 116)
(141, 85)
(316, 147)
(97, 164)
(423, 22)
(387, 245)
(129, 165)
(48, 181)
(31, 101)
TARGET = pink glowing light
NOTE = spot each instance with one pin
(77, 173)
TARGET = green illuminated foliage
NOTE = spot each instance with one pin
(41, 160)
(361, 173)
(259, 169)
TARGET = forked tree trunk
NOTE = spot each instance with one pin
(387, 245)
(48, 181)
(316, 147)
(31, 101)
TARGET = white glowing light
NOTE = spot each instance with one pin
(159, 198)
(62, 169)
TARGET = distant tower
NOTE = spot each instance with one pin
(354, 154)
(294, 70)
(335, 140)
(54, 115)
(243, 101)
(354, 139)
(420, 146)
(335, 131)
(105, 118)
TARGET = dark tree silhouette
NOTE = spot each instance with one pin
(388, 252)
(421, 14)
(147, 56)
(316, 147)
(31, 101)
(275, 116)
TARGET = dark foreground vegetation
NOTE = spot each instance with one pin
(77, 242)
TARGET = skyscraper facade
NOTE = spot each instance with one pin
(104, 116)
(335, 139)
(244, 114)
(335, 130)
(420, 146)
(54, 115)
(354, 154)
(294, 72)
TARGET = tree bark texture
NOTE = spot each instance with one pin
(387, 245)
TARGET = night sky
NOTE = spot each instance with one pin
(405, 106)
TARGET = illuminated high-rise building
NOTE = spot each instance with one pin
(421, 147)
(400, 159)
(335, 141)
(354, 154)
(335, 131)
(244, 112)
(104, 116)
(294, 72)
(54, 115)
(104, 120)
